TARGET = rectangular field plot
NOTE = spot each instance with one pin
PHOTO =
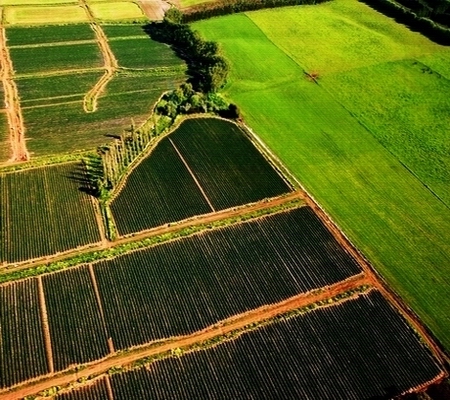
(55, 88)
(42, 211)
(77, 328)
(229, 168)
(186, 285)
(28, 15)
(19, 36)
(151, 196)
(68, 128)
(55, 58)
(124, 31)
(360, 349)
(143, 53)
(117, 11)
(5, 145)
(22, 350)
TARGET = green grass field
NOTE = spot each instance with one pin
(117, 11)
(34, 2)
(44, 15)
(383, 208)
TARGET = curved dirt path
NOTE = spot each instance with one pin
(12, 104)
(234, 323)
(110, 63)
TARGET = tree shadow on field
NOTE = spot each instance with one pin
(86, 174)
(391, 392)
(413, 23)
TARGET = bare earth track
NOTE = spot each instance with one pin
(12, 104)
(110, 63)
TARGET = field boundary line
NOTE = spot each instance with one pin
(202, 220)
(100, 307)
(53, 44)
(241, 321)
(45, 326)
(109, 390)
(110, 63)
(12, 103)
(192, 174)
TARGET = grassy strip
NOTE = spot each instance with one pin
(45, 161)
(121, 249)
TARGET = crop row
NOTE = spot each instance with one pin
(76, 325)
(361, 348)
(229, 168)
(19, 36)
(211, 153)
(22, 351)
(165, 186)
(186, 285)
(55, 58)
(38, 206)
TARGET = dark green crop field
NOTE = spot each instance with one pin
(160, 190)
(19, 36)
(205, 165)
(21, 334)
(43, 59)
(186, 285)
(355, 171)
(143, 53)
(381, 354)
(37, 207)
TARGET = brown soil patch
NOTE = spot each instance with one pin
(154, 9)
(110, 63)
(45, 326)
(12, 104)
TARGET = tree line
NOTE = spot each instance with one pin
(429, 26)
(225, 7)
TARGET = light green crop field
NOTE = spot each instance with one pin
(35, 2)
(44, 15)
(189, 3)
(117, 11)
(388, 213)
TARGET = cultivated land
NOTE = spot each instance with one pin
(54, 109)
(384, 207)
(37, 208)
(201, 163)
(205, 253)
(305, 337)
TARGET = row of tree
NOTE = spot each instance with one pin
(225, 7)
(206, 67)
(207, 71)
(404, 15)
